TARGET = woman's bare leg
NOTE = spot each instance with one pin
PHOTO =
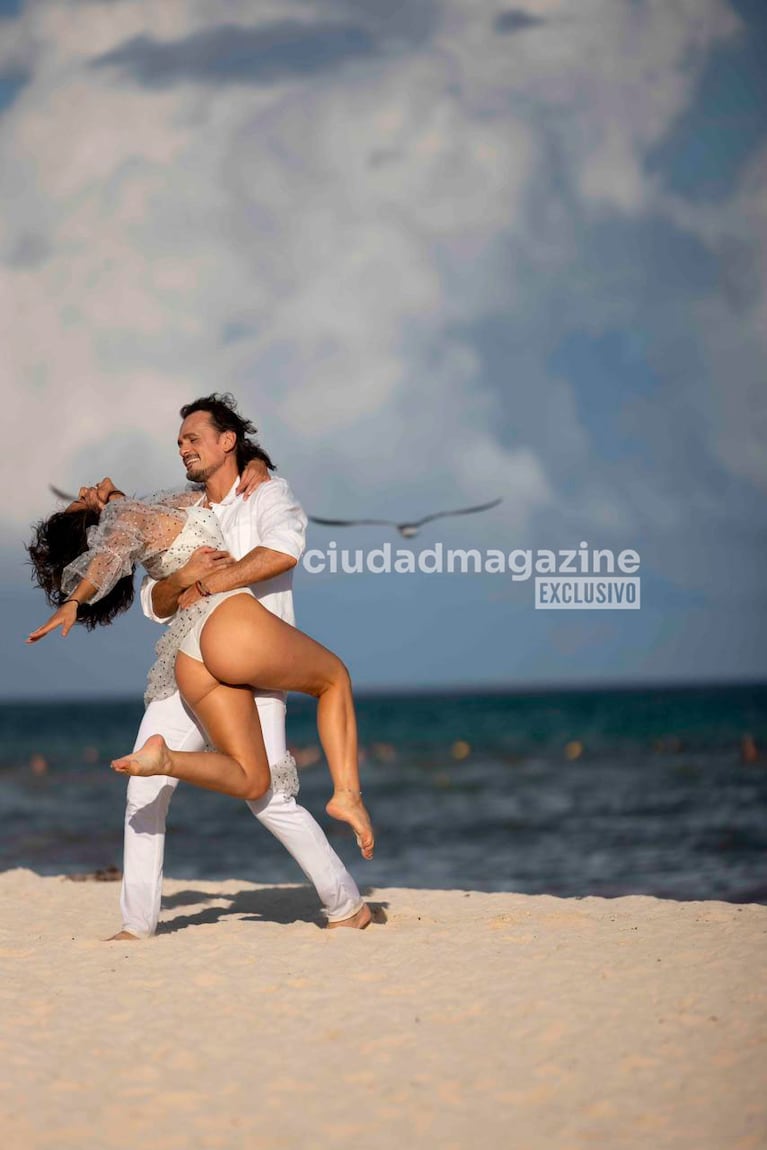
(243, 642)
(230, 716)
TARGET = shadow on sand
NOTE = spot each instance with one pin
(270, 904)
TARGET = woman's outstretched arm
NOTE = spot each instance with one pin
(66, 615)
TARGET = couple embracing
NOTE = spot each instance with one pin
(218, 558)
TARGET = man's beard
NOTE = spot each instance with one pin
(198, 474)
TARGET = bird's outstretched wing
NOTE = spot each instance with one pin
(350, 522)
(403, 527)
(460, 511)
(61, 494)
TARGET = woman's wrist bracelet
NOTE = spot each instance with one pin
(116, 492)
(202, 588)
(72, 600)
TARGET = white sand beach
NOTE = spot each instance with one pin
(467, 1020)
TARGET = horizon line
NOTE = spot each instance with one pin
(549, 687)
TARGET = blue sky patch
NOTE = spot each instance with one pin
(705, 152)
(606, 371)
(649, 260)
(10, 86)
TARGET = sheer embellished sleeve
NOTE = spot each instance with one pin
(129, 531)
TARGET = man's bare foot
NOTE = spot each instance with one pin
(122, 936)
(358, 921)
(151, 759)
(348, 807)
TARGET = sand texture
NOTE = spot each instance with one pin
(466, 1021)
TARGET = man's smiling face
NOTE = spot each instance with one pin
(202, 448)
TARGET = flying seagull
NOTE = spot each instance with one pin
(408, 530)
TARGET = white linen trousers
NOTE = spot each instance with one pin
(147, 808)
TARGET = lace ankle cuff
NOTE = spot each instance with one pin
(285, 776)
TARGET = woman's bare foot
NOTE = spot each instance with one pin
(348, 807)
(151, 759)
(358, 921)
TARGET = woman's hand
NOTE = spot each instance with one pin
(65, 617)
(106, 489)
(87, 498)
(96, 497)
(255, 473)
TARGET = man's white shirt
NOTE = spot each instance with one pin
(272, 517)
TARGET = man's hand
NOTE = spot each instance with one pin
(188, 597)
(202, 563)
(255, 473)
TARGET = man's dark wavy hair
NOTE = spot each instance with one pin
(55, 543)
(222, 409)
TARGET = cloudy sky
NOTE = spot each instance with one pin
(441, 251)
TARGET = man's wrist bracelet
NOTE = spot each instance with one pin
(202, 589)
(115, 492)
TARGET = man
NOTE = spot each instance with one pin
(265, 536)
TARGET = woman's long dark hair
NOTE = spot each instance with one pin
(55, 543)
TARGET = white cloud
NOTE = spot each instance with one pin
(341, 231)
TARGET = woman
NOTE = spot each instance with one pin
(218, 651)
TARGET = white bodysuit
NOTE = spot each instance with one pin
(200, 530)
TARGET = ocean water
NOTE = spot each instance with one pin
(605, 792)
